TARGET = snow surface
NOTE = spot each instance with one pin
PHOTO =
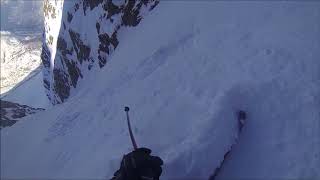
(29, 92)
(184, 71)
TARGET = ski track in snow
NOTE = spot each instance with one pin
(150, 64)
(184, 88)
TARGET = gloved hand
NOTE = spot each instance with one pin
(140, 165)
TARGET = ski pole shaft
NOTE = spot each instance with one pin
(130, 130)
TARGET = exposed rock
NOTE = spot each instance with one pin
(111, 9)
(62, 89)
(78, 49)
(11, 112)
(70, 16)
(82, 50)
(98, 27)
(105, 43)
(91, 4)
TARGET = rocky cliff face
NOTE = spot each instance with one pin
(80, 36)
(11, 112)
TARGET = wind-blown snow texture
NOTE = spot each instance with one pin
(184, 71)
(81, 35)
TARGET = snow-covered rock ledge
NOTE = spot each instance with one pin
(80, 36)
(11, 112)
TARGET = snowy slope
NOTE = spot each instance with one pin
(30, 91)
(184, 81)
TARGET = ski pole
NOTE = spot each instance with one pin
(126, 109)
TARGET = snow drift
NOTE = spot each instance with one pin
(184, 71)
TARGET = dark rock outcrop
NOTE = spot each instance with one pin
(88, 35)
(11, 112)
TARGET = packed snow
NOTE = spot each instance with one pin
(184, 72)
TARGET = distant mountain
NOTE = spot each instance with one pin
(81, 36)
(20, 57)
(21, 34)
(21, 37)
(21, 27)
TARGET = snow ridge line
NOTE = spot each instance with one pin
(28, 78)
(241, 120)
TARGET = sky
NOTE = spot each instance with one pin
(21, 15)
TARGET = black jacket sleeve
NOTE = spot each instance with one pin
(139, 165)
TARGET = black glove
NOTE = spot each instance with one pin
(139, 165)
